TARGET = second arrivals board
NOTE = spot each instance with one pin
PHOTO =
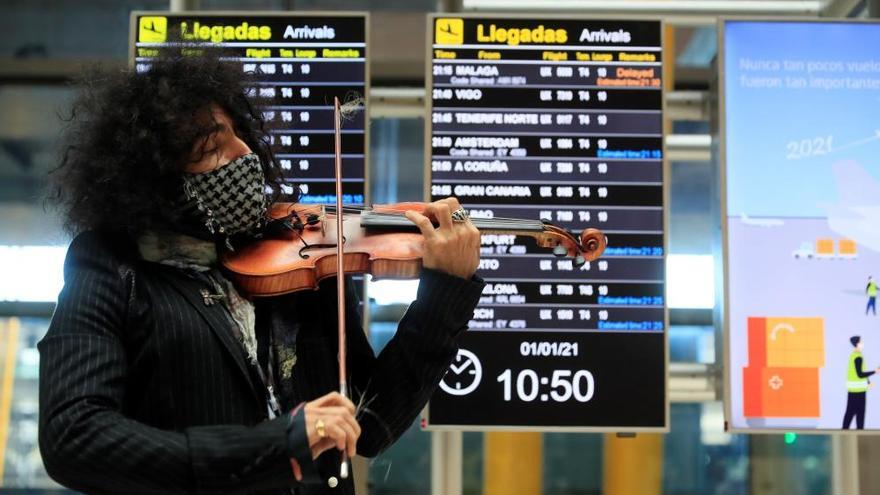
(558, 120)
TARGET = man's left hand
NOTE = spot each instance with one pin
(453, 247)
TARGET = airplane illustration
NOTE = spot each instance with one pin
(152, 27)
(856, 215)
(447, 28)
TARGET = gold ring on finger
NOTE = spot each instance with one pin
(320, 428)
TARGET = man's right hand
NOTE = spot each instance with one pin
(341, 429)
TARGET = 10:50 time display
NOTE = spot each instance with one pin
(564, 385)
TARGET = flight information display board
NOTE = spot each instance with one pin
(800, 184)
(559, 120)
(299, 63)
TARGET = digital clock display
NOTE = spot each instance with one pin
(571, 380)
(566, 385)
(557, 120)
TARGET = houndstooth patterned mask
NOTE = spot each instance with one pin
(229, 199)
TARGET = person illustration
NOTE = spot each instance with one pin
(857, 385)
(871, 291)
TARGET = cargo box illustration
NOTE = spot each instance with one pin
(847, 249)
(824, 248)
(781, 392)
(786, 342)
(782, 377)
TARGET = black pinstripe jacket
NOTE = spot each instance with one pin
(144, 388)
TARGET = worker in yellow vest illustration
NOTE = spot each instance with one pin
(871, 291)
(857, 385)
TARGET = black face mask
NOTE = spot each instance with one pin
(227, 201)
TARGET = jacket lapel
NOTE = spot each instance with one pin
(216, 318)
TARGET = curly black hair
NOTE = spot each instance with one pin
(130, 134)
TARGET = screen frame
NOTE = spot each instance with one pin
(722, 170)
(666, 168)
(132, 45)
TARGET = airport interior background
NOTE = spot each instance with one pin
(44, 44)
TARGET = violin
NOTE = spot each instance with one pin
(378, 240)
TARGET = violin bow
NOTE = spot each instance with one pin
(340, 272)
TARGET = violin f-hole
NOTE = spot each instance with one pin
(308, 246)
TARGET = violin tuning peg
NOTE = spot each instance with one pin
(579, 260)
(560, 250)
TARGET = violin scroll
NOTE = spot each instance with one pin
(593, 243)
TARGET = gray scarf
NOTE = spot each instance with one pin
(189, 253)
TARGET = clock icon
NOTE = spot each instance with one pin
(464, 374)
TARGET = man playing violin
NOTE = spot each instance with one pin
(157, 375)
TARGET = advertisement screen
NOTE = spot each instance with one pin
(801, 140)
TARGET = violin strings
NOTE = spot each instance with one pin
(481, 223)
(398, 213)
(394, 217)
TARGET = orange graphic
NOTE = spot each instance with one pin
(785, 355)
(795, 343)
(824, 248)
(848, 248)
(781, 392)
